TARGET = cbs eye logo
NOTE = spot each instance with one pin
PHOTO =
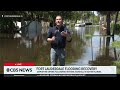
(7, 69)
(12, 69)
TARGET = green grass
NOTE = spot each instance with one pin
(117, 63)
(116, 44)
(88, 35)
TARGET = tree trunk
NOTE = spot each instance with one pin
(75, 22)
(107, 46)
(108, 23)
(115, 54)
(115, 23)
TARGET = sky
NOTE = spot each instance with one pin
(95, 12)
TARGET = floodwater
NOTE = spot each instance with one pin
(89, 47)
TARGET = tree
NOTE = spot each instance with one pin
(108, 14)
(115, 22)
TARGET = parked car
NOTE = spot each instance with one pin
(88, 23)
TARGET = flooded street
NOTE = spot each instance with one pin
(89, 47)
(96, 48)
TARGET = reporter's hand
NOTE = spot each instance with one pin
(64, 33)
(53, 38)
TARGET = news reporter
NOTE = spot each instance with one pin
(57, 36)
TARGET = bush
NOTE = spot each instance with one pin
(117, 26)
(117, 30)
(117, 64)
(116, 44)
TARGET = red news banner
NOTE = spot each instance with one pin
(19, 64)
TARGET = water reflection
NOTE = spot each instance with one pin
(106, 56)
(12, 51)
(80, 31)
(95, 48)
(28, 43)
